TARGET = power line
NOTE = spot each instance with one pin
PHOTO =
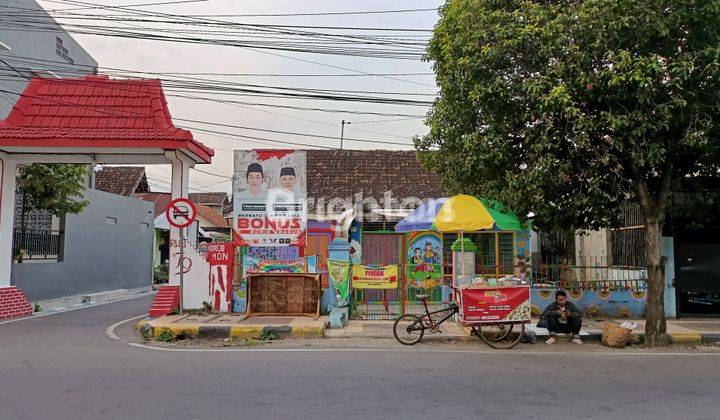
(126, 114)
(368, 12)
(210, 173)
(289, 132)
(185, 19)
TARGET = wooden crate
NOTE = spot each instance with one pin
(284, 294)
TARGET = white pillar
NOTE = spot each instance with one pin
(8, 172)
(178, 188)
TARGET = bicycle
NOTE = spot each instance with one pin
(409, 329)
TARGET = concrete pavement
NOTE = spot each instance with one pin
(64, 366)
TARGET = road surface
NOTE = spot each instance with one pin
(64, 366)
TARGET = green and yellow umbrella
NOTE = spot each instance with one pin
(460, 213)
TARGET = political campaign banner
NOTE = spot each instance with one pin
(496, 304)
(374, 277)
(339, 272)
(270, 197)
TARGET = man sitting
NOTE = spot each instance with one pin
(563, 317)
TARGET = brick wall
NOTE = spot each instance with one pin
(13, 303)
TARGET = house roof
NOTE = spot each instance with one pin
(344, 173)
(209, 198)
(121, 180)
(214, 217)
(95, 112)
(160, 200)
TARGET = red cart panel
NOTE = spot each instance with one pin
(490, 305)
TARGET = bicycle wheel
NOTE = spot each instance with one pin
(500, 333)
(489, 333)
(408, 329)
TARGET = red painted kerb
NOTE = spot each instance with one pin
(96, 112)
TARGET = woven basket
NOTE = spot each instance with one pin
(614, 335)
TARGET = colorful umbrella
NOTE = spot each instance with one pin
(457, 214)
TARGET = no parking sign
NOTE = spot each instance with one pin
(181, 212)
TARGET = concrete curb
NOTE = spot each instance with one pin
(233, 332)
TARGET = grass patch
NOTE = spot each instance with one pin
(166, 335)
(268, 335)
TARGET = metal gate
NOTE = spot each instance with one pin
(381, 249)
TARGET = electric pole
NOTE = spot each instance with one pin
(342, 132)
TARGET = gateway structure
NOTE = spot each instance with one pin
(90, 120)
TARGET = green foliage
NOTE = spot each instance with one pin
(165, 335)
(161, 274)
(146, 333)
(37, 308)
(268, 335)
(568, 108)
(207, 306)
(57, 188)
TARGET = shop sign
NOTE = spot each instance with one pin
(374, 277)
(270, 193)
(497, 304)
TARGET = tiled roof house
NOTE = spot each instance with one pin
(121, 180)
(341, 174)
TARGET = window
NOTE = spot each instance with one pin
(111, 220)
(61, 51)
(627, 241)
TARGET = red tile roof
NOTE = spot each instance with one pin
(160, 200)
(210, 198)
(96, 111)
(212, 216)
(121, 180)
(344, 173)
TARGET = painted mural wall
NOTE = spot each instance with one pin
(596, 303)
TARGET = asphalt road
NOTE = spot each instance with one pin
(64, 366)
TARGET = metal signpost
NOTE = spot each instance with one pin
(181, 213)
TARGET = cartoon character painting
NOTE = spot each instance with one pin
(424, 262)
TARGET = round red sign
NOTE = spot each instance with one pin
(181, 212)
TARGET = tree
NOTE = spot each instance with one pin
(569, 108)
(57, 188)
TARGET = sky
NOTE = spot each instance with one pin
(162, 57)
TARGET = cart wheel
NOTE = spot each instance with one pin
(408, 329)
(495, 332)
(489, 333)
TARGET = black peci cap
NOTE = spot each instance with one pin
(287, 171)
(254, 167)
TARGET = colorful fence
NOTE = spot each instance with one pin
(597, 288)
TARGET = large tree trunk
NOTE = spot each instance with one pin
(655, 324)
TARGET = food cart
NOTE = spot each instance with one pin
(496, 314)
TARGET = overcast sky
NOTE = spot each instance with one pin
(161, 57)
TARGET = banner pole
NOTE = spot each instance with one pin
(182, 267)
